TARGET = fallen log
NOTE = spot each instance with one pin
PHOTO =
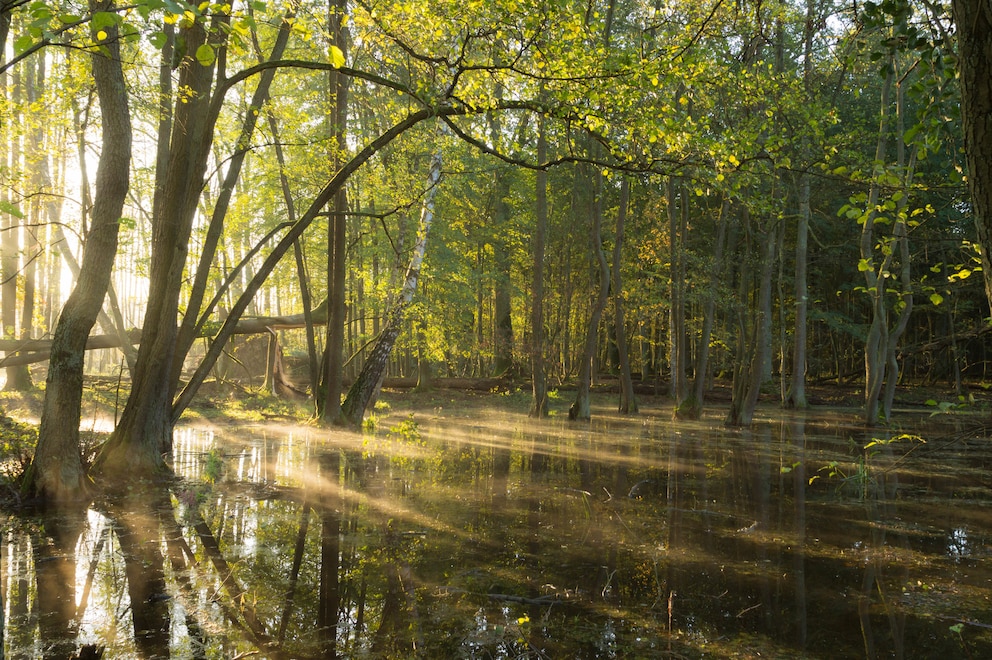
(30, 351)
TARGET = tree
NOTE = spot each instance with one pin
(539, 382)
(56, 473)
(973, 20)
(329, 404)
(365, 390)
(628, 402)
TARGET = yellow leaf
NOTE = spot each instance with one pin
(101, 35)
(337, 57)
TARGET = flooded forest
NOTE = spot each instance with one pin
(495, 329)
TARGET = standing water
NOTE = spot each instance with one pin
(486, 534)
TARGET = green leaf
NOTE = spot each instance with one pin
(936, 298)
(158, 39)
(337, 57)
(205, 55)
(12, 209)
(864, 265)
(22, 43)
(103, 19)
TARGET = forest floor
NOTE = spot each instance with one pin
(222, 404)
(226, 405)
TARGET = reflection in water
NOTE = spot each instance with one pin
(54, 545)
(506, 537)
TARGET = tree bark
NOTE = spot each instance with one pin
(580, 410)
(144, 432)
(329, 405)
(215, 228)
(677, 217)
(973, 19)
(628, 402)
(365, 390)
(18, 377)
(539, 376)
(56, 472)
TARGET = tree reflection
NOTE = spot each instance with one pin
(490, 542)
(55, 571)
(330, 552)
(137, 518)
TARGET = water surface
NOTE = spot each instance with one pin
(469, 532)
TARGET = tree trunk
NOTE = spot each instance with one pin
(628, 402)
(144, 432)
(900, 236)
(796, 396)
(215, 228)
(748, 380)
(365, 390)
(18, 377)
(692, 407)
(676, 310)
(973, 20)
(539, 403)
(580, 410)
(329, 404)
(56, 472)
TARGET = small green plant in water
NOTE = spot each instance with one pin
(370, 423)
(213, 466)
(862, 476)
(407, 431)
(947, 407)
(17, 445)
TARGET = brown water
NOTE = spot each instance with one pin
(478, 533)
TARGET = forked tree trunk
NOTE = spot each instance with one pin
(749, 378)
(692, 407)
(56, 472)
(144, 432)
(188, 329)
(365, 390)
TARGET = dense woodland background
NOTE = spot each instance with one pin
(772, 192)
